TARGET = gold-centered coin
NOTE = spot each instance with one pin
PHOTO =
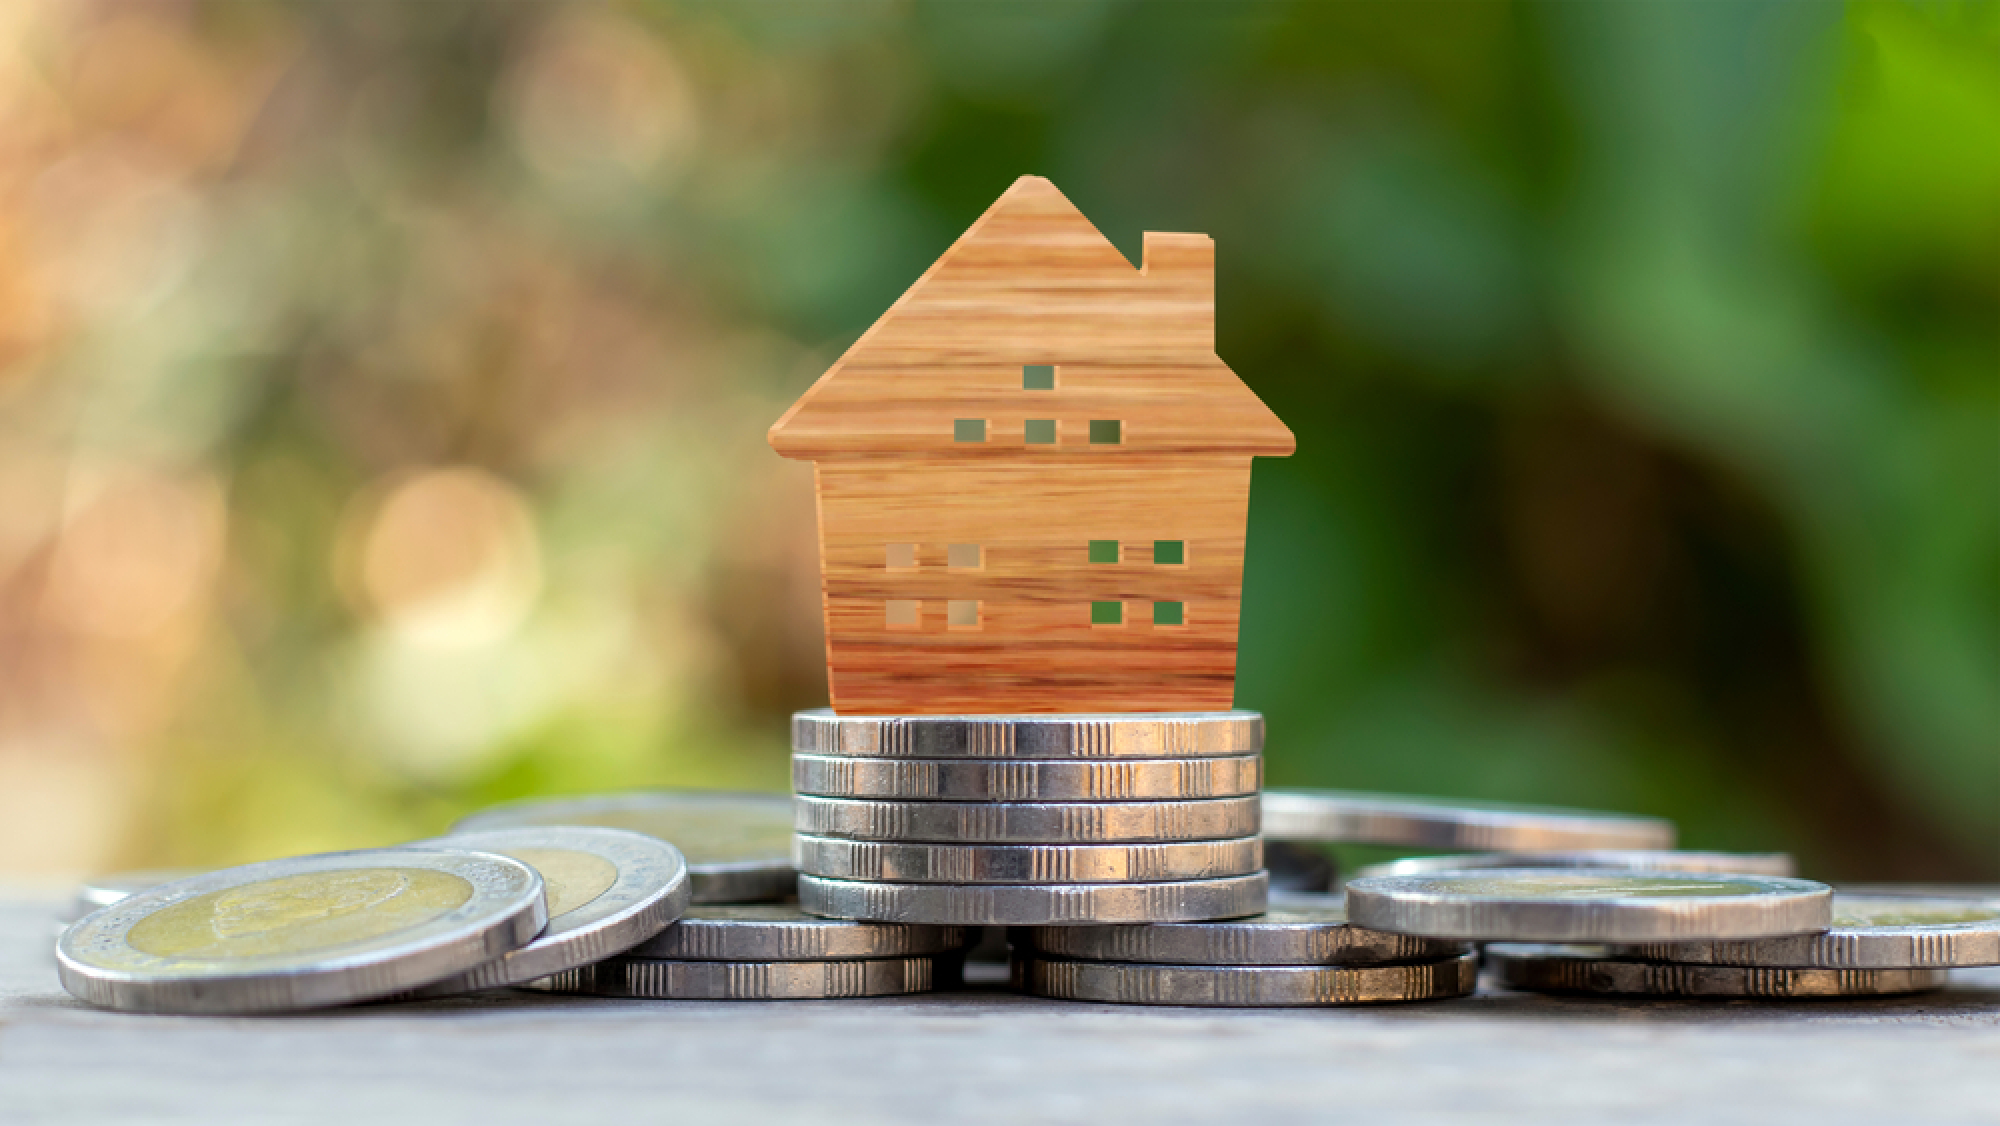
(738, 846)
(302, 933)
(298, 915)
(608, 890)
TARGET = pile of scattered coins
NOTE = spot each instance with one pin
(1119, 856)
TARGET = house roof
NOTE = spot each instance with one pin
(1033, 282)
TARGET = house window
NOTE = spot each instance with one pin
(1170, 552)
(962, 613)
(1107, 613)
(1038, 377)
(1106, 432)
(1169, 614)
(1104, 551)
(971, 430)
(962, 555)
(900, 557)
(1041, 431)
(902, 613)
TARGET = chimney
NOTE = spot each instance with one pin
(1181, 268)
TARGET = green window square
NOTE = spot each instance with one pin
(1041, 431)
(1104, 551)
(1107, 613)
(1106, 432)
(1169, 551)
(968, 430)
(1038, 377)
(1169, 613)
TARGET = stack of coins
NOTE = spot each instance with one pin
(772, 952)
(1877, 945)
(1029, 820)
(1690, 934)
(1303, 952)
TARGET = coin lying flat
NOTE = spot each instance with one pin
(922, 863)
(303, 933)
(103, 891)
(1295, 934)
(1580, 905)
(1654, 860)
(1349, 817)
(780, 932)
(848, 776)
(1572, 970)
(1245, 986)
(738, 846)
(1869, 932)
(1001, 905)
(1205, 819)
(607, 890)
(662, 980)
(1136, 735)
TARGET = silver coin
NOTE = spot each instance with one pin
(303, 933)
(1204, 819)
(738, 846)
(1581, 905)
(1572, 970)
(781, 932)
(920, 863)
(103, 891)
(1349, 817)
(847, 776)
(1645, 860)
(607, 890)
(1884, 932)
(1245, 986)
(1002, 905)
(662, 980)
(1295, 934)
(1134, 735)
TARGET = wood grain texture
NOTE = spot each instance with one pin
(1034, 283)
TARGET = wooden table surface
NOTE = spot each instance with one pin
(984, 1055)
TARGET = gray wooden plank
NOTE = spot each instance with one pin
(986, 1056)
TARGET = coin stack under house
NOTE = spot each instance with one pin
(1029, 820)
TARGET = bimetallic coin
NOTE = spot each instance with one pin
(303, 933)
(1002, 905)
(1580, 905)
(1135, 735)
(738, 846)
(846, 776)
(780, 932)
(1571, 970)
(607, 890)
(103, 891)
(1869, 932)
(1347, 817)
(662, 980)
(1645, 860)
(921, 863)
(1206, 819)
(1245, 986)
(1292, 935)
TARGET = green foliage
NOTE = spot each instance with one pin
(1641, 358)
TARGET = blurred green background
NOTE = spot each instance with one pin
(383, 390)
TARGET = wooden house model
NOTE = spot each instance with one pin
(1033, 476)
